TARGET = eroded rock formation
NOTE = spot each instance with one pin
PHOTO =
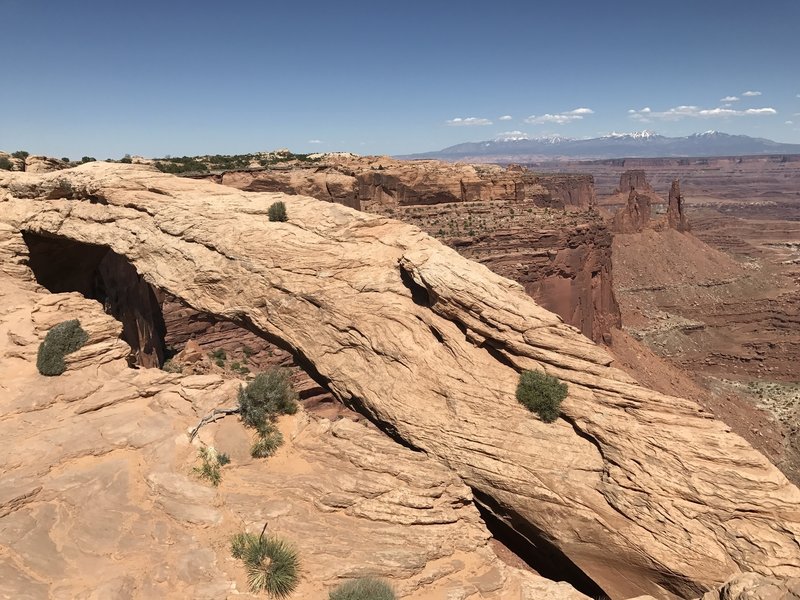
(645, 493)
(377, 183)
(635, 216)
(676, 219)
(98, 498)
(487, 213)
(633, 179)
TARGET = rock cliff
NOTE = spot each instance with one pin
(644, 493)
(676, 219)
(376, 183)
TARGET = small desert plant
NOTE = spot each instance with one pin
(272, 564)
(277, 212)
(211, 462)
(172, 366)
(269, 394)
(21, 154)
(260, 402)
(62, 339)
(365, 588)
(268, 441)
(219, 357)
(5, 164)
(541, 393)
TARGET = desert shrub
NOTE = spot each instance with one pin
(21, 154)
(178, 165)
(365, 588)
(277, 212)
(126, 159)
(85, 159)
(62, 339)
(269, 394)
(65, 159)
(5, 164)
(211, 461)
(268, 441)
(541, 393)
(272, 564)
(172, 366)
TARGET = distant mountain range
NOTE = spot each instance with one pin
(641, 144)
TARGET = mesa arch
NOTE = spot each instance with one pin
(645, 493)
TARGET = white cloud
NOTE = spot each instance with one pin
(315, 142)
(568, 116)
(685, 111)
(511, 135)
(467, 122)
(751, 93)
(789, 122)
(505, 118)
(729, 99)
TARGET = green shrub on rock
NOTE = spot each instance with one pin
(366, 588)
(272, 564)
(269, 395)
(541, 393)
(211, 462)
(5, 164)
(61, 340)
(268, 441)
(277, 212)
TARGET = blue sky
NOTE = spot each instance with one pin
(178, 77)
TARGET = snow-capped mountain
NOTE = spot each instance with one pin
(635, 135)
(640, 144)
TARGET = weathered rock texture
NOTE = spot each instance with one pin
(635, 216)
(503, 218)
(634, 179)
(751, 586)
(562, 259)
(43, 164)
(98, 499)
(376, 183)
(645, 493)
(676, 219)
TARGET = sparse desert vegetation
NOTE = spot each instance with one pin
(277, 212)
(272, 564)
(365, 588)
(261, 401)
(64, 338)
(541, 393)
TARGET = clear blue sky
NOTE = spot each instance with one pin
(178, 77)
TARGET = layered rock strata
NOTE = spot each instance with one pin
(99, 498)
(512, 220)
(645, 493)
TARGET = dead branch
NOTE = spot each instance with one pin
(215, 414)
